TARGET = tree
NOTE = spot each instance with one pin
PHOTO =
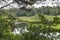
(25, 3)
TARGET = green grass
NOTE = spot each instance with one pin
(29, 19)
(56, 27)
(34, 19)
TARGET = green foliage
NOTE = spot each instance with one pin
(48, 10)
(39, 23)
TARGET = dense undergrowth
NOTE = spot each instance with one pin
(43, 20)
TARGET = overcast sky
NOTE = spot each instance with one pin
(39, 4)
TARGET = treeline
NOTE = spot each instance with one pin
(42, 10)
(49, 10)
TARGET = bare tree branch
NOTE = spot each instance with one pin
(6, 5)
(26, 2)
